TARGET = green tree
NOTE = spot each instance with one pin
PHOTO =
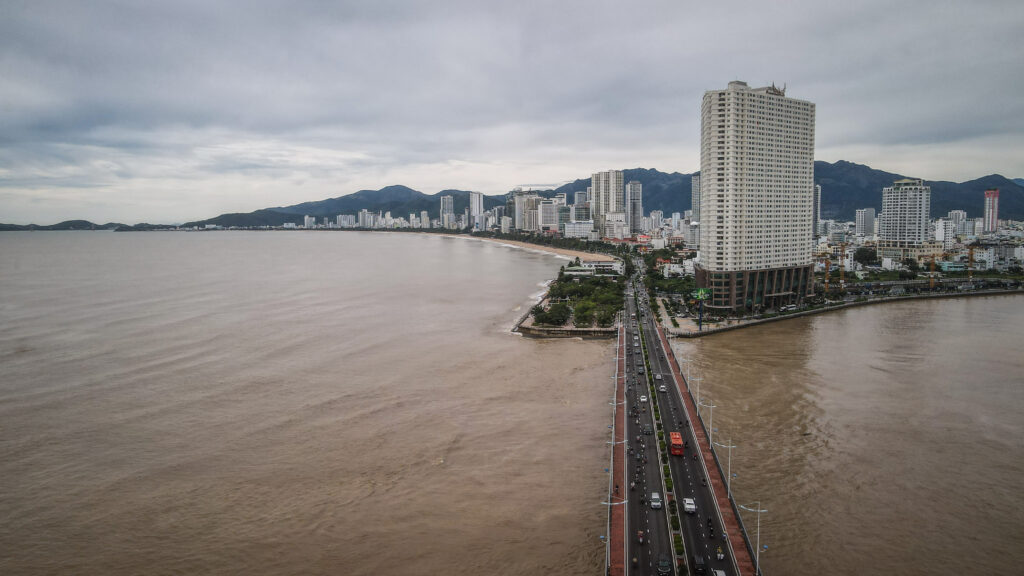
(912, 265)
(865, 256)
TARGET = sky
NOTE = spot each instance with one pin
(166, 112)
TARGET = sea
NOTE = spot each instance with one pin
(310, 402)
(882, 439)
(292, 403)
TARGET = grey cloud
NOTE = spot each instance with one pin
(108, 95)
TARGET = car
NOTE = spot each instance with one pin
(643, 398)
(647, 427)
(689, 506)
(657, 376)
(662, 388)
(664, 564)
(655, 500)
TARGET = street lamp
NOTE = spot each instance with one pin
(697, 379)
(687, 361)
(711, 420)
(728, 472)
(757, 555)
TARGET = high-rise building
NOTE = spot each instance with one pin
(606, 196)
(991, 210)
(424, 219)
(695, 197)
(547, 217)
(657, 219)
(634, 207)
(905, 205)
(756, 197)
(309, 222)
(580, 198)
(476, 210)
(816, 212)
(865, 222)
(447, 212)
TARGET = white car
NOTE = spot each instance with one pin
(657, 376)
(689, 506)
(655, 500)
(643, 398)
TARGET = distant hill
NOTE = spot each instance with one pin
(66, 225)
(845, 187)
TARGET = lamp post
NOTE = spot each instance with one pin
(757, 555)
(728, 487)
(711, 420)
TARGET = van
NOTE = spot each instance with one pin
(655, 500)
(698, 565)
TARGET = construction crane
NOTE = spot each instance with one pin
(970, 263)
(842, 266)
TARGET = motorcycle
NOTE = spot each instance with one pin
(640, 536)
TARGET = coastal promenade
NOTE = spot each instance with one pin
(682, 333)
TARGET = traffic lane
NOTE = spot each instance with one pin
(647, 476)
(711, 536)
(646, 480)
(703, 538)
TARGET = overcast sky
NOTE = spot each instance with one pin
(179, 110)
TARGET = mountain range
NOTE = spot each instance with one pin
(845, 187)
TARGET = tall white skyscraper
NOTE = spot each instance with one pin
(865, 222)
(756, 197)
(447, 212)
(991, 210)
(580, 198)
(476, 210)
(606, 196)
(424, 219)
(635, 207)
(695, 197)
(906, 205)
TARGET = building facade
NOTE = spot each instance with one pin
(695, 197)
(991, 210)
(756, 197)
(865, 222)
(635, 207)
(606, 196)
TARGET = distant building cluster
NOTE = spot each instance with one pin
(755, 235)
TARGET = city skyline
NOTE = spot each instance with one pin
(178, 112)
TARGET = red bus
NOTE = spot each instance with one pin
(676, 443)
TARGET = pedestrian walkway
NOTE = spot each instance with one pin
(617, 514)
(740, 551)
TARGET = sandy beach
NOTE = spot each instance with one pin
(570, 254)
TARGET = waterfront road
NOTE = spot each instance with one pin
(709, 537)
(644, 478)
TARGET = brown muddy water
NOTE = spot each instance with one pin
(882, 439)
(291, 403)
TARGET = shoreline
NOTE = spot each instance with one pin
(557, 252)
(677, 333)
